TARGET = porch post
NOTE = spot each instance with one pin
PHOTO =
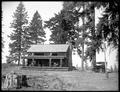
(23, 62)
(32, 59)
(50, 62)
(61, 62)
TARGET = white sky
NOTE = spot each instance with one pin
(45, 9)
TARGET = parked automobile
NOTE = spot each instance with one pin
(99, 67)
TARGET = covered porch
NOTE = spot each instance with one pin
(45, 61)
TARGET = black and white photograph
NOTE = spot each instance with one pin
(60, 45)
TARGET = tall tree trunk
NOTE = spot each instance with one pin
(94, 35)
(20, 34)
(83, 19)
(19, 46)
(70, 54)
(94, 59)
(106, 73)
(36, 41)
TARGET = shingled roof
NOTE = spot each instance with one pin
(49, 48)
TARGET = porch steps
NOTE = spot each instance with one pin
(45, 68)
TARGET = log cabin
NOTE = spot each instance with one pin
(49, 56)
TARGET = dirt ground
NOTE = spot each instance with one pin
(73, 80)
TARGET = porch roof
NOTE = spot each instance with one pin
(49, 48)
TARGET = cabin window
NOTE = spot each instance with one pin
(39, 54)
(54, 54)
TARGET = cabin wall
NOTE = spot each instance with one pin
(61, 54)
(47, 54)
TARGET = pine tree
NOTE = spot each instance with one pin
(61, 27)
(18, 25)
(36, 32)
